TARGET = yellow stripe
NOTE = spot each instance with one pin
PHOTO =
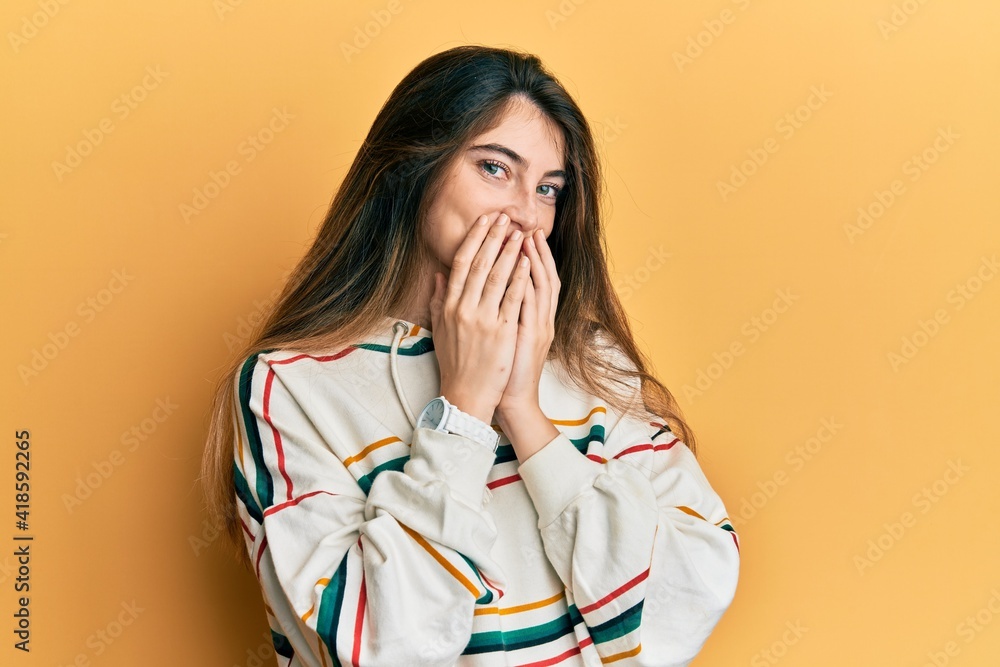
(519, 608)
(688, 510)
(325, 581)
(577, 422)
(441, 559)
(624, 654)
(369, 449)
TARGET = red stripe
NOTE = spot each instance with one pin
(615, 593)
(552, 661)
(260, 552)
(290, 503)
(491, 584)
(359, 619)
(245, 529)
(329, 357)
(503, 480)
(595, 457)
(274, 431)
(643, 447)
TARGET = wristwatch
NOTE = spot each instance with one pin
(440, 415)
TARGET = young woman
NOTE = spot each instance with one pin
(442, 446)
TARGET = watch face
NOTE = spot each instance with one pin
(433, 413)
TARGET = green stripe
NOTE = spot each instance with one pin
(619, 626)
(365, 481)
(264, 485)
(487, 597)
(574, 615)
(596, 434)
(510, 640)
(423, 346)
(330, 605)
(506, 453)
(281, 644)
(243, 493)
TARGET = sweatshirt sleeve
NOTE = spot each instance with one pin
(390, 577)
(639, 538)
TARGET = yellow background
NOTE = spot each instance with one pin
(682, 94)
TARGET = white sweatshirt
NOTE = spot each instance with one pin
(375, 543)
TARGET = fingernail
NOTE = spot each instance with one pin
(503, 219)
(483, 219)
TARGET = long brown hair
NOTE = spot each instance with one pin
(356, 270)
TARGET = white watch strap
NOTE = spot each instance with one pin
(465, 424)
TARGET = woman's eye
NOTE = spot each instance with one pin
(487, 165)
(553, 190)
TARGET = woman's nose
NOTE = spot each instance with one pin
(523, 214)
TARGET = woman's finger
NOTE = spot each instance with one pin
(542, 246)
(528, 315)
(510, 306)
(461, 264)
(542, 281)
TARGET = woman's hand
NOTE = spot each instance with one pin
(536, 329)
(475, 317)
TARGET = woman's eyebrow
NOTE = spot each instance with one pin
(515, 158)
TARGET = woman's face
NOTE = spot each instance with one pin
(516, 168)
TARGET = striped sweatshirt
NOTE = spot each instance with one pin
(377, 543)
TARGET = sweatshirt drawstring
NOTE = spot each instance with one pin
(399, 329)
